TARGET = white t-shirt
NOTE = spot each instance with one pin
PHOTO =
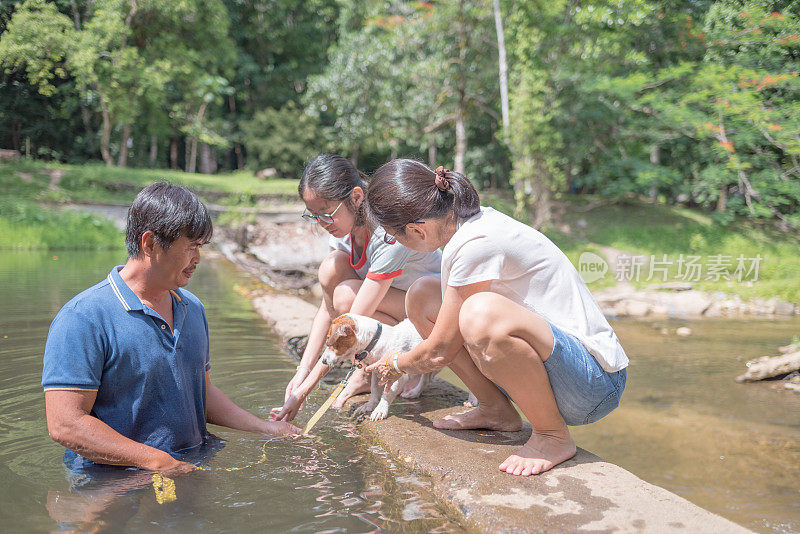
(381, 261)
(527, 268)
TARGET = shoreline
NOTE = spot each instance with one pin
(585, 492)
(283, 252)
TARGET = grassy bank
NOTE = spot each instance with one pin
(32, 192)
(25, 225)
(582, 224)
(95, 182)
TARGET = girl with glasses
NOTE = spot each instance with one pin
(365, 273)
(509, 311)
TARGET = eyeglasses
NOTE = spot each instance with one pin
(326, 218)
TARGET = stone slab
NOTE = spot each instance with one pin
(585, 493)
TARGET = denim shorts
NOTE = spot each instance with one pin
(584, 392)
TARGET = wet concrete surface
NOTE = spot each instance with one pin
(585, 493)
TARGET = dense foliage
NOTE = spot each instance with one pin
(693, 102)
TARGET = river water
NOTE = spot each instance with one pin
(687, 426)
(684, 424)
(330, 483)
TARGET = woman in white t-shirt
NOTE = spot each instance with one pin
(510, 310)
(362, 274)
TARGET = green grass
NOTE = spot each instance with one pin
(30, 218)
(586, 224)
(95, 182)
(26, 225)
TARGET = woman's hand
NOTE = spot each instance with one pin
(387, 374)
(289, 409)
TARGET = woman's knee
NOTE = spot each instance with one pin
(344, 294)
(333, 270)
(490, 323)
(423, 295)
(478, 319)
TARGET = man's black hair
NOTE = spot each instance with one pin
(169, 211)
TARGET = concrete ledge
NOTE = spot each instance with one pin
(583, 494)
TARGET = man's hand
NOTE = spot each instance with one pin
(281, 428)
(166, 464)
(289, 409)
(387, 374)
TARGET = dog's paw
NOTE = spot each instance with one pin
(364, 409)
(380, 412)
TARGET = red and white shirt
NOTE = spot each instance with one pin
(381, 261)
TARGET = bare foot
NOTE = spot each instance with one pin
(411, 384)
(540, 453)
(358, 383)
(503, 417)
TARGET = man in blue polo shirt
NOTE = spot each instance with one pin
(126, 364)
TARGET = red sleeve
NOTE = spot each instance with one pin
(384, 276)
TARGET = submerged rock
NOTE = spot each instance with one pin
(771, 367)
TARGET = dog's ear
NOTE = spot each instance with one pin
(338, 330)
(341, 334)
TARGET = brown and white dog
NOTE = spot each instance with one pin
(363, 339)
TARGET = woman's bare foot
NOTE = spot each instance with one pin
(540, 453)
(411, 384)
(358, 383)
(502, 417)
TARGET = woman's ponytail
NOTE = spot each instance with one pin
(405, 190)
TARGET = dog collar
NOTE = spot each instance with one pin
(371, 345)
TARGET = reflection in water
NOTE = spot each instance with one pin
(331, 482)
(686, 425)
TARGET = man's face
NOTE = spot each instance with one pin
(177, 263)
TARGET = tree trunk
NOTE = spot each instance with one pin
(153, 150)
(105, 137)
(461, 128)
(432, 151)
(503, 67)
(16, 136)
(722, 201)
(542, 208)
(655, 159)
(207, 163)
(173, 153)
(354, 156)
(123, 148)
(191, 164)
(461, 140)
(237, 148)
(191, 154)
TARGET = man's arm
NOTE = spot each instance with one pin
(220, 410)
(70, 424)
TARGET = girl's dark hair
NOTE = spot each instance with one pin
(404, 190)
(169, 211)
(333, 177)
